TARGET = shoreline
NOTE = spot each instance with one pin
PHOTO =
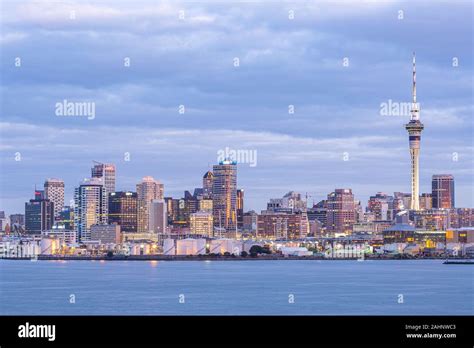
(221, 258)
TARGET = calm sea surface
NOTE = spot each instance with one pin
(236, 287)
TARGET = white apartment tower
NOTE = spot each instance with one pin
(90, 207)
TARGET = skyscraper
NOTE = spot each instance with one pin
(442, 191)
(106, 171)
(240, 208)
(341, 211)
(54, 191)
(90, 207)
(414, 128)
(207, 180)
(39, 214)
(224, 195)
(158, 216)
(148, 190)
(123, 210)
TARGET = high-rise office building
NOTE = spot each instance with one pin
(432, 220)
(442, 191)
(147, 190)
(224, 196)
(207, 180)
(39, 214)
(240, 208)
(90, 207)
(414, 128)
(158, 216)
(341, 211)
(54, 191)
(191, 205)
(123, 210)
(105, 171)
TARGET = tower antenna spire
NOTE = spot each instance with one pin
(414, 108)
(414, 128)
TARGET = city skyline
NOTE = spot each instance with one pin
(309, 202)
(291, 62)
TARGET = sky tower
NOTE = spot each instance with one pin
(414, 128)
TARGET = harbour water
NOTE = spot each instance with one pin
(370, 287)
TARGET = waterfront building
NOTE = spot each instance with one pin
(106, 234)
(189, 246)
(62, 234)
(39, 214)
(442, 190)
(147, 190)
(54, 191)
(123, 210)
(414, 128)
(90, 207)
(224, 196)
(404, 233)
(106, 172)
(460, 235)
(201, 223)
(432, 220)
(341, 212)
(281, 225)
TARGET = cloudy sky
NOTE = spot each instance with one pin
(335, 62)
